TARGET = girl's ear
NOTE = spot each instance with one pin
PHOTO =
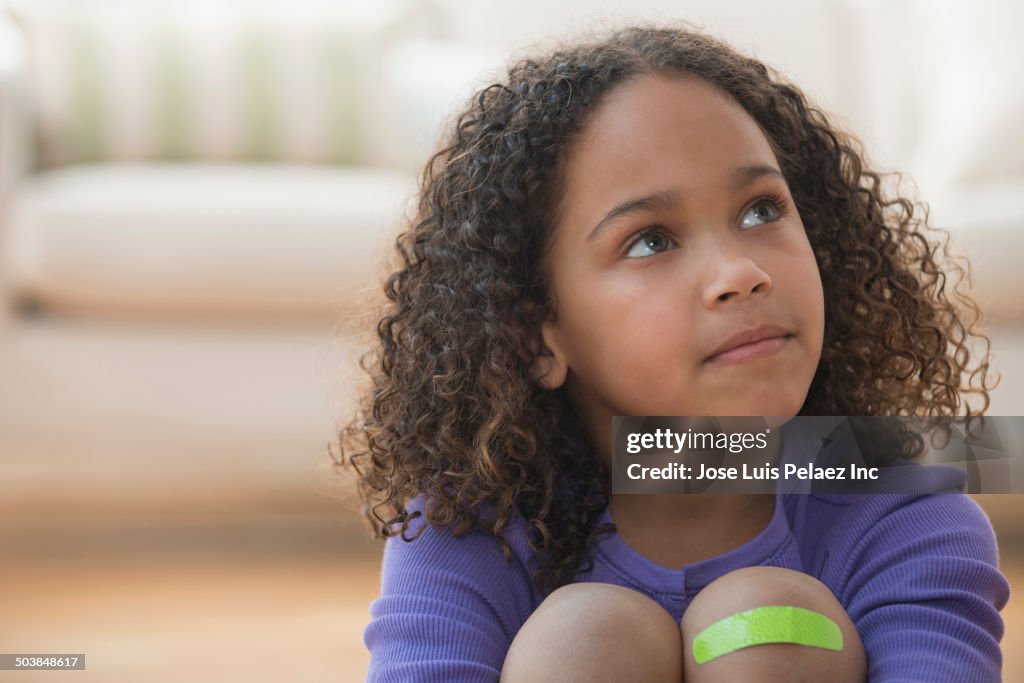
(550, 366)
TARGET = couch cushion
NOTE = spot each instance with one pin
(195, 80)
(972, 65)
(202, 240)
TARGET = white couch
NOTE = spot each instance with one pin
(184, 326)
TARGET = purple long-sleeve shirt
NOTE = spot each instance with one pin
(918, 575)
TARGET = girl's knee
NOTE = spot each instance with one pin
(596, 631)
(753, 587)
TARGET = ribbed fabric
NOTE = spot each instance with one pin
(917, 573)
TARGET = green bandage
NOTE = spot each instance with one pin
(766, 625)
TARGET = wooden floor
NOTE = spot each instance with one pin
(256, 621)
(195, 621)
(265, 593)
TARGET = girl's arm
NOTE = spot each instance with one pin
(448, 610)
(924, 589)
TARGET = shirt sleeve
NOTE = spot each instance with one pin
(448, 609)
(924, 589)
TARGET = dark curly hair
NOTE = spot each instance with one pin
(452, 412)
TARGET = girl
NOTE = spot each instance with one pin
(652, 224)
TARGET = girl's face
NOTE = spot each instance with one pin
(676, 233)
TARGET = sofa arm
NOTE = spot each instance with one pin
(15, 136)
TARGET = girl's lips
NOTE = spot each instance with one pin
(751, 351)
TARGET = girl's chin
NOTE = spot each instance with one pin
(769, 404)
(780, 412)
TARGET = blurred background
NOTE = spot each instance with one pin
(194, 200)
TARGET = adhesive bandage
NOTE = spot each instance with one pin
(764, 625)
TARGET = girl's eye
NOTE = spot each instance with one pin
(649, 244)
(655, 240)
(764, 211)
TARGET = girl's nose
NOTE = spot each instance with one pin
(733, 275)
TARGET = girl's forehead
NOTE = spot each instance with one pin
(658, 115)
(660, 134)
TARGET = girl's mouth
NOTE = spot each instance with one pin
(750, 345)
(751, 351)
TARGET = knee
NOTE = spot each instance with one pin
(596, 631)
(753, 587)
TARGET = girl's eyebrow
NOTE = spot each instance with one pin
(670, 199)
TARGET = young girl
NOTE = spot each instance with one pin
(652, 224)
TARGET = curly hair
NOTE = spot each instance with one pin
(452, 412)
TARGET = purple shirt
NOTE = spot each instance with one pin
(918, 575)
